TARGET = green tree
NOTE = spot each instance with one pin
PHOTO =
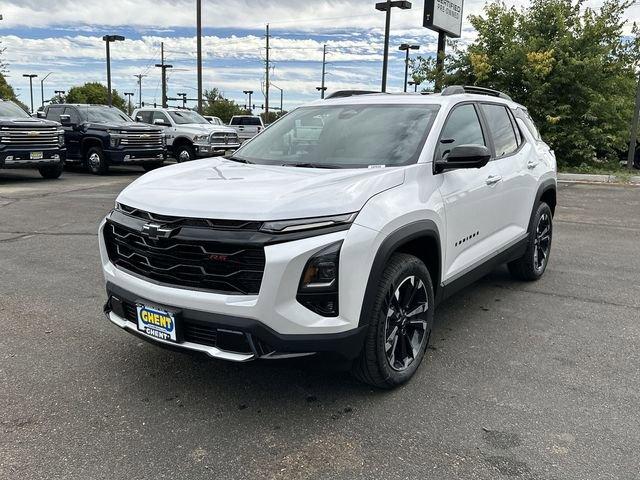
(218, 106)
(570, 65)
(96, 93)
(7, 93)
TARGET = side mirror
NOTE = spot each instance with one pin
(162, 123)
(41, 114)
(65, 120)
(464, 156)
(139, 118)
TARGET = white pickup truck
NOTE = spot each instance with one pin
(247, 126)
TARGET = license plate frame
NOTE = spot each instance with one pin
(36, 155)
(157, 322)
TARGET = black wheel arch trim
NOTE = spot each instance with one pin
(545, 186)
(391, 244)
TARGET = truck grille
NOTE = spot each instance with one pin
(40, 137)
(202, 265)
(224, 138)
(134, 139)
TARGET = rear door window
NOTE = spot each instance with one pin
(502, 132)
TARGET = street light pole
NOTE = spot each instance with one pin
(407, 47)
(59, 93)
(249, 92)
(108, 39)
(184, 99)
(140, 76)
(281, 97)
(386, 7)
(30, 76)
(42, 88)
(129, 95)
(324, 70)
(321, 90)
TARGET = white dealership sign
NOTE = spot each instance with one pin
(444, 16)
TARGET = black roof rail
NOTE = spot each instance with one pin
(349, 93)
(458, 89)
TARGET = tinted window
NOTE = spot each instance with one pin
(145, 115)
(344, 136)
(100, 114)
(184, 117)
(462, 128)
(54, 113)
(253, 121)
(504, 138)
(73, 114)
(160, 116)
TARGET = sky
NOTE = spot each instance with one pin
(64, 37)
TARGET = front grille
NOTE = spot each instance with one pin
(224, 138)
(134, 139)
(191, 222)
(203, 265)
(40, 137)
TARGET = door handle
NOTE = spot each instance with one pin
(493, 179)
(532, 164)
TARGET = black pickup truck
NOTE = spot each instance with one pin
(27, 142)
(98, 136)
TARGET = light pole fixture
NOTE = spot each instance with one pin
(60, 93)
(42, 88)
(415, 85)
(184, 99)
(321, 90)
(386, 7)
(407, 47)
(107, 40)
(30, 76)
(249, 92)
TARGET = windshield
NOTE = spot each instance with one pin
(11, 110)
(105, 114)
(187, 116)
(344, 136)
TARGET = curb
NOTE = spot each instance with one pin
(584, 178)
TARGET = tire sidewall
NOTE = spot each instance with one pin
(413, 267)
(540, 210)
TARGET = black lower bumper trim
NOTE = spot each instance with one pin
(346, 345)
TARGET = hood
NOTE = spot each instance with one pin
(227, 190)
(28, 122)
(200, 128)
(130, 126)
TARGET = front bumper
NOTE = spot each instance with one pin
(21, 158)
(206, 149)
(135, 157)
(273, 317)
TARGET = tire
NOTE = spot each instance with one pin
(381, 362)
(51, 171)
(152, 166)
(96, 161)
(185, 153)
(532, 265)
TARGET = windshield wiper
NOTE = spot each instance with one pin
(239, 159)
(311, 165)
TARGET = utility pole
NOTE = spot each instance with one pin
(108, 39)
(30, 76)
(407, 47)
(129, 95)
(42, 87)
(199, 45)
(266, 86)
(324, 70)
(634, 130)
(140, 76)
(386, 7)
(164, 67)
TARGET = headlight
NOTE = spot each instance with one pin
(114, 137)
(200, 138)
(61, 138)
(318, 290)
(288, 226)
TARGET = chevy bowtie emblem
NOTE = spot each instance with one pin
(155, 231)
(33, 133)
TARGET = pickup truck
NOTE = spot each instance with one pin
(189, 135)
(27, 142)
(98, 136)
(247, 126)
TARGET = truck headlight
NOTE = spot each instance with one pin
(200, 138)
(114, 138)
(318, 290)
(61, 138)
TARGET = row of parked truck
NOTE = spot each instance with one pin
(98, 136)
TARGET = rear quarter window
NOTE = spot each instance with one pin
(502, 132)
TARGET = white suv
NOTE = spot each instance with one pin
(342, 243)
(189, 135)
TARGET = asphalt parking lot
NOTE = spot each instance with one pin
(532, 381)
